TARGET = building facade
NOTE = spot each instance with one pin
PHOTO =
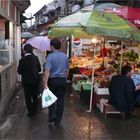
(10, 46)
(51, 12)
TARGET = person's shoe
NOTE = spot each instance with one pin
(51, 120)
(30, 114)
(34, 112)
(57, 123)
(130, 115)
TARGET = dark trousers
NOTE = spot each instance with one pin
(31, 96)
(137, 97)
(57, 86)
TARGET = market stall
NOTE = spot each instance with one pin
(104, 68)
(86, 56)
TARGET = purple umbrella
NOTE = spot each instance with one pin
(39, 42)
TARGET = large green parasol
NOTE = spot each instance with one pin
(71, 25)
(109, 24)
(87, 24)
(69, 31)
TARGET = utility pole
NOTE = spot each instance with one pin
(31, 20)
(94, 1)
(68, 9)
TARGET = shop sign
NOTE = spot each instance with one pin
(77, 46)
(77, 42)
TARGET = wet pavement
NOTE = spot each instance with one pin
(77, 123)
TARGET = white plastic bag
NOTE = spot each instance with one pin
(48, 98)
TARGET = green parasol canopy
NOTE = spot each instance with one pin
(109, 24)
(87, 24)
(65, 31)
(74, 20)
(71, 25)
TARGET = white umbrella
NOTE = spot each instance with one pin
(39, 42)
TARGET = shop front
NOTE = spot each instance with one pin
(87, 69)
(10, 44)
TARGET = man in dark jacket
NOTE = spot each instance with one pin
(29, 68)
(122, 90)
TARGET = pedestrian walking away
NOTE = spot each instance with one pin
(29, 68)
(56, 70)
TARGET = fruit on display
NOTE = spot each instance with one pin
(130, 56)
(100, 69)
(102, 81)
(81, 62)
(87, 72)
(109, 70)
(112, 62)
(87, 62)
(104, 84)
(116, 65)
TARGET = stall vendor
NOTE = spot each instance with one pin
(122, 91)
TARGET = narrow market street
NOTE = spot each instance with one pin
(77, 123)
(91, 42)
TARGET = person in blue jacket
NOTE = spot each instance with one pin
(56, 69)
